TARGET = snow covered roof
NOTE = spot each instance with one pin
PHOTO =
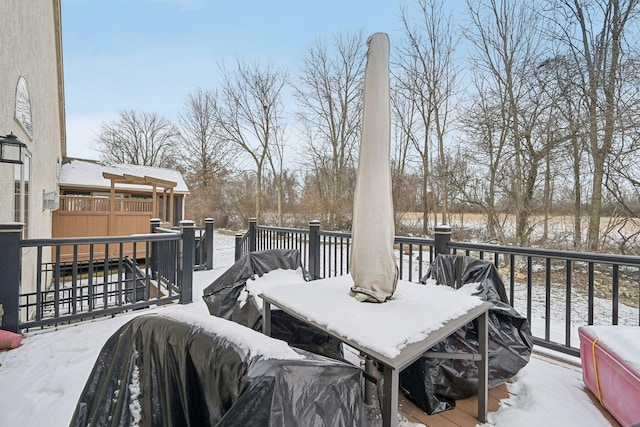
(79, 173)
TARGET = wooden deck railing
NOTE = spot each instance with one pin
(102, 204)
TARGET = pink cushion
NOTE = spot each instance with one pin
(9, 340)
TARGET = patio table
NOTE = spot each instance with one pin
(327, 305)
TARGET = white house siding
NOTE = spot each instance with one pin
(30, 47)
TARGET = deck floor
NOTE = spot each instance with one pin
(465, 414)
(466, 411)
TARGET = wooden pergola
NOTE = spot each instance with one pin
(156, 183)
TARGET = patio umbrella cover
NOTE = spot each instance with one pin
(373, 264)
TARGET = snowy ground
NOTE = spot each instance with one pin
(41, 380)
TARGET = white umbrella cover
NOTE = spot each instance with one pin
(373, 264)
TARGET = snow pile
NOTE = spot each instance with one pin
(255, 344)
(271, 279)
(624, 342)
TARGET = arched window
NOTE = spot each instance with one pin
(23, 106)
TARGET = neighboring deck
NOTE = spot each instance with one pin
(84, 216)
(110, 200)
(466, 411)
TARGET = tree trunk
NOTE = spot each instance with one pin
(596, 205)
(547, 198)
(258, 201)
(577, 199)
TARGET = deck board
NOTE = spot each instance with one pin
(463, 415)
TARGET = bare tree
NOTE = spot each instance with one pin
(428, 76)
(329, 97)
(594, 34)
(622, 173)
(487, 136)
(275, 157)
(250, 113)
(507, 42)
(563, 77)
(206, 155)
(138, 139)
(403, 176)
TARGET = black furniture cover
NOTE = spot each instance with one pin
(223, 300)
(434, 384)
(157, 371)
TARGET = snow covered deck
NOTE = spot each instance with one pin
(48, 371)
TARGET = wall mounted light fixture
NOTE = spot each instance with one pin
(11, 149)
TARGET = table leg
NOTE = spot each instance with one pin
(390, 401)
(266, 318)
(368, 385)
(483, 366)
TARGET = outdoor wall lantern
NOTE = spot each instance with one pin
(11, 149)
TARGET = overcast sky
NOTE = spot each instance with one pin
(147, 55)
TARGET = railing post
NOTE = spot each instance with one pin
(314, 249)
(10, 268)
(188, 231)
(155, 248)
(238, 254)
(208, 235)
(443, 237)
(253, 236)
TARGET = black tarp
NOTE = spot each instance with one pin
(223, 299)
(156, 371)
(434, 384)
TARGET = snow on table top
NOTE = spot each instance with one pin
(410, 316)
(624, 341)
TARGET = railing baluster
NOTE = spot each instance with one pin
(90, 290)
(56, 285)
(39, 309)
(410, 262)
(615, 295)
(529, 289)
(400, 266)
(74, 281)
(512, 282)
(567, 330)
(341, 255)
(337, 259)
(120, 272)
(591, 292)
(348, 254)
(105, 288)
(547, 298)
